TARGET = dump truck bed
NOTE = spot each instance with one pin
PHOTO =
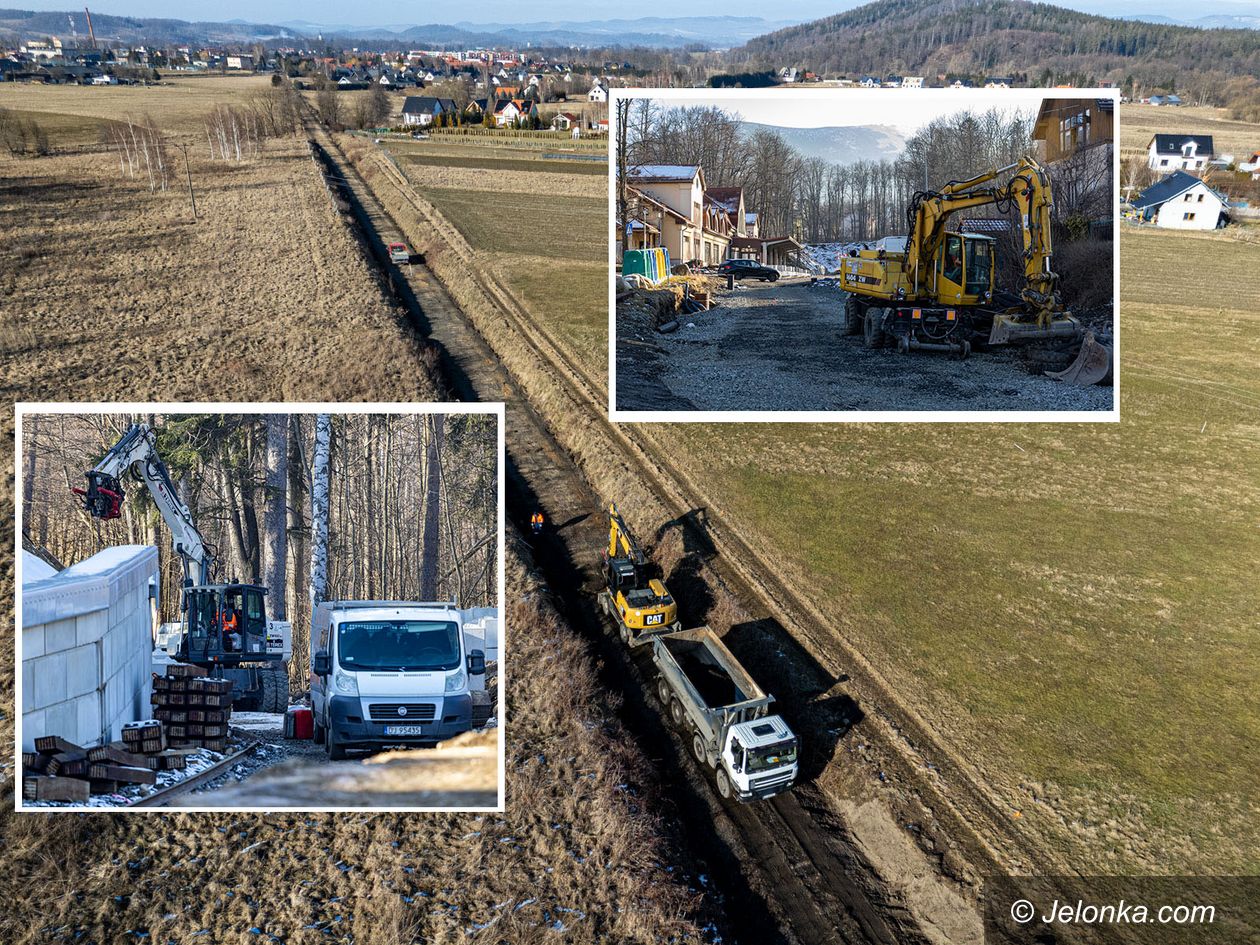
(699, 661)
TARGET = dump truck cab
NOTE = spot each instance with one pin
(760, 757)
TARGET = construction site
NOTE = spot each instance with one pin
(766, 683)
(152, 674)
(932, 256)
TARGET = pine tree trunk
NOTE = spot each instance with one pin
(432, 521)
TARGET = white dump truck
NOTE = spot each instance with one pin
(709, 695)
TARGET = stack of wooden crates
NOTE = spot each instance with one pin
(194, 709)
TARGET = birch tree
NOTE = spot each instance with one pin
(319, 509)
(275, 492)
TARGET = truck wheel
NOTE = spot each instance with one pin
(663, 693)
(275, 690)
(336, 751)
(853, 316)
(723, 783)
(676, 712)
(873, 328)
(698, 749)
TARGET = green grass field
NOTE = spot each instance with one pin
(513, 222)
(1073, 605)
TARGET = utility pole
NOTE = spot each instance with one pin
(188, 170)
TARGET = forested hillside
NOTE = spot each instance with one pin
(1047, 44)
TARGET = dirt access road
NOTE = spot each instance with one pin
(781, 346)
(785, 875)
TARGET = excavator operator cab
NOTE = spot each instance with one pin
(103, 496)
(964, 269)
(226, 624)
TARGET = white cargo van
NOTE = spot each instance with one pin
(390, 673)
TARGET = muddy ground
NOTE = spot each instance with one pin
(781, 347)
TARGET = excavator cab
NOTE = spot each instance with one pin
(637, 599)
(226, 625)
(964, 269)
(103, 496)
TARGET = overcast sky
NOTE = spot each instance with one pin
(907, 110)
(408, 12)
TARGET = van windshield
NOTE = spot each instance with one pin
(398, 646)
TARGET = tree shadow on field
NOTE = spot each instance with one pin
(45, 191)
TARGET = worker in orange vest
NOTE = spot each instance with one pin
(231, 639)
(536, 523)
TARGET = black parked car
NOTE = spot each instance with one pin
(748, 269)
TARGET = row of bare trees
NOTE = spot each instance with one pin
(355, 506)
(142, 150)
(237, 132)
(21, 136)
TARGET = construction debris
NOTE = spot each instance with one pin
(191, 712)
(195, 710)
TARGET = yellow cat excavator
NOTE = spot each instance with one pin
(939, 292)
(635, 598)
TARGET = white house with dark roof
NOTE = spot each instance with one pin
(424, 109)
(1167, 153)
(1181, 202)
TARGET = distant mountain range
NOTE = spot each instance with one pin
(1220, 21)
(714, 32)
(840, 144)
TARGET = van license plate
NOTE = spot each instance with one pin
(404, 729)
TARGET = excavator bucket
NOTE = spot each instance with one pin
(1092, 364)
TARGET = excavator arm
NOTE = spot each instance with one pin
(1028, 191)
(137, 451)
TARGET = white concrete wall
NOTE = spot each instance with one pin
(86, 647)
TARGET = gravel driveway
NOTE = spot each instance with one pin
(780, 347)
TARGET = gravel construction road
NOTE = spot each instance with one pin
(780, 347)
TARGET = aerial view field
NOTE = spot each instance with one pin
(538, 217)
(1097, 676)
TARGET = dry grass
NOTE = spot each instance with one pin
(178, 105)
(1138, 123)
(116, 294)
(575, 858)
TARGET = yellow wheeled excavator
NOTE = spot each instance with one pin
(635, 597)
(939, 292)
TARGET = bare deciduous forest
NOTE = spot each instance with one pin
(820, 202)
(411, 502)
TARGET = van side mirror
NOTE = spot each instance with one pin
(476, 663)
(322, 663)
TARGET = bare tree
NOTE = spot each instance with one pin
(275, 490)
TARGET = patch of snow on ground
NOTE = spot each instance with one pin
(35, 569)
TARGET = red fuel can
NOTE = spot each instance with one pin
(299, 723)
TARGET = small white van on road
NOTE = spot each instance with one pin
(390, 673)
